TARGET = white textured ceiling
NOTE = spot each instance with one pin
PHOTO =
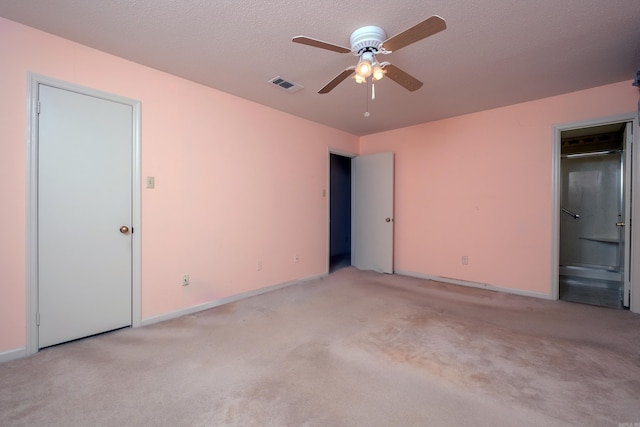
(493, 53)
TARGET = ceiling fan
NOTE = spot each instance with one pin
(369, 41)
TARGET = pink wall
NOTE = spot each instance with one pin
(236, 182)
(480, 185)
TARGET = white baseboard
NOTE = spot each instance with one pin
(22, 352)
(475, 284)
(10, 355)
(226, 300)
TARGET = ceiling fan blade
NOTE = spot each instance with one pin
(337, 80)
(404, 79)
(426, 28)
(319, 43)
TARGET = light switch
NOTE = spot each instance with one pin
(151, 182)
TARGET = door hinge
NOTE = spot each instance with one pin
(131, 230)
(38, 319)
(38, 107)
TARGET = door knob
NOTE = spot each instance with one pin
(619, 224)
(388, 219)
(124, 229)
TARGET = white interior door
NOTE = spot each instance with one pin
(84, 198)
(372, 212)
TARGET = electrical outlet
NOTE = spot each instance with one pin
(465, 260)
(185, 280)
(259, 266)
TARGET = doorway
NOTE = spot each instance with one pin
(83, 210)
(339, 212)
(361, 211)
(595, 206)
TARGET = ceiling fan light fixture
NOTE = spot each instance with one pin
(365, 65)
(378, 71)
(369, 41)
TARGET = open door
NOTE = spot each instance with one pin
(372, 212)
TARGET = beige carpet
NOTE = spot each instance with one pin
(352, 349)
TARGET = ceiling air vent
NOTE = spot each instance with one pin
(285, 84)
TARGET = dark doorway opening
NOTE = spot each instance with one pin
(339, 212)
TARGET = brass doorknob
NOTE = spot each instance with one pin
(124, 229)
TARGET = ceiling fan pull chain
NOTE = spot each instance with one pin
(373, 91)
(366, 113)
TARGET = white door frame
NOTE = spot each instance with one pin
(634, 266)
(34, 81)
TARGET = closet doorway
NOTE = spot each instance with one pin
(339, 212)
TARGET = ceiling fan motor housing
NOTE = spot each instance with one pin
(367, 38)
